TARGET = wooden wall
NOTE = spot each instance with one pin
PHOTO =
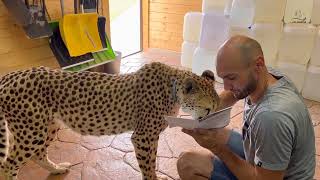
(19, 52)
(16, 50)
(166, 22)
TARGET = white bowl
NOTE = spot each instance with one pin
(217, 119)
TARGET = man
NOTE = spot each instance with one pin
(277, 140)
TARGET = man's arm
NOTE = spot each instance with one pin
(215, 140)
(227, 99)
(244, 170)
(273, 141)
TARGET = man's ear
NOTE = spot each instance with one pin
(189, 86)
(208, 75)
(260, 62)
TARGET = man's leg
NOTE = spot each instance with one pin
(195, 165)
(204, 165)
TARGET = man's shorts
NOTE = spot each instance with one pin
(220, 170)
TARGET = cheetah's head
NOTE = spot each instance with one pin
(197, 95)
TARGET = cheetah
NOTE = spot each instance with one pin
(34, 102)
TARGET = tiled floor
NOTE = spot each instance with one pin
(112, 157)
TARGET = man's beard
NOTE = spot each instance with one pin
(248, 89)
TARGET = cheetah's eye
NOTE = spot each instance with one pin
(188, 87)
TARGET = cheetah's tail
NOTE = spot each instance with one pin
(4, 138)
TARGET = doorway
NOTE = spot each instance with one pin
(125, 26)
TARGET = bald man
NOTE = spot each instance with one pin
(277, 139)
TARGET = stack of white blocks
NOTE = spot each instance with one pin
(214, 31)
(295, 50)
(286, 29)
(191, 32)
(312, 77)
(297, 41)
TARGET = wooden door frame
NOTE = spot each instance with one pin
(145, 25)
(106, 13)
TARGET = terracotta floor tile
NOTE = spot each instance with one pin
(160, 54)
(308, 103)
(179, 142)
(92, 142)
(32, 171)
(73, 153)
(318, 146)
(123, 142)
(317, 131)
(163, 147)
(315, 119)
(108, 163)
(133, 69)
(124, 69)
(135, 64)
(315, 113)
(315, 108)
(67, 135)
(317, 173)
(168, 166)
(131, 160)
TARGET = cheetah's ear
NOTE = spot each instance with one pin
(208, 75)
(190, 86)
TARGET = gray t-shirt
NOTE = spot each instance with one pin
(278, 133)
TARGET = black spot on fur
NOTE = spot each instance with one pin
(27, 155)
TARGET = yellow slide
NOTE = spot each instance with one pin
(80, 33)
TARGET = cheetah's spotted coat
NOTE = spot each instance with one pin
(33, 101)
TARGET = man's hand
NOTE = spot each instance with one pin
(212, 139)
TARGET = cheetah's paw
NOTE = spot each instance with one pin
(162, 177)
(61, 168)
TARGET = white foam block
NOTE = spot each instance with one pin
(227, 9)
(298, 11)
(296, 43)
(213, 5)
(295, 72)
(311, 85)
(214, 30)
(268, 41)
(315, 16)
(269, 10)
(204, 59)
(191, 26)
(315, 55)
(239, 31)
(187, 51)
(242, 13)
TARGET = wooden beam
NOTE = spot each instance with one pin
(106, 13)
(145, 24)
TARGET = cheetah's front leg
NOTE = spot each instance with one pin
(145, 147)
(41, 157)
(51, 166)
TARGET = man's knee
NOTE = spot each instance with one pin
(185, 167)
(185, 160)
(193, 163)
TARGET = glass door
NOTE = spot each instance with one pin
(125, 26)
